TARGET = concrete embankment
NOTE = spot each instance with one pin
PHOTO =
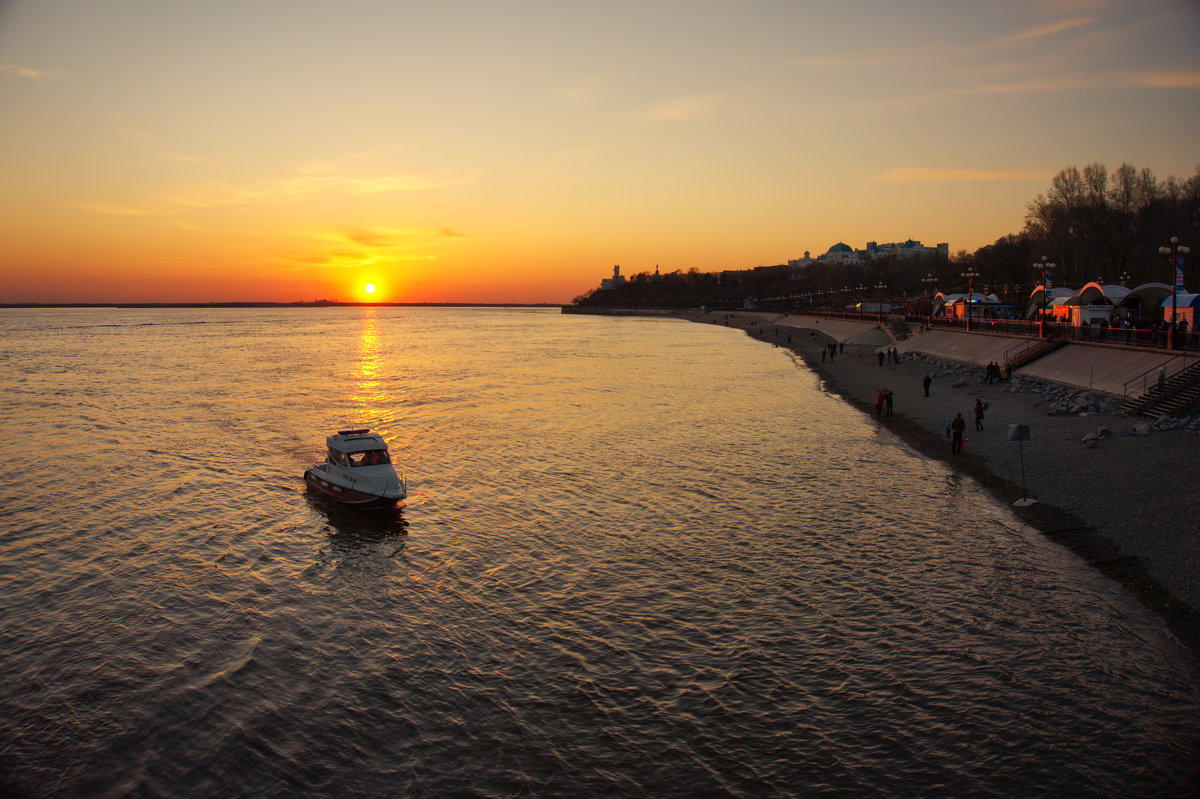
(1129, 504)
(1111, 368)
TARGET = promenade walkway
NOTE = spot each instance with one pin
(1115, 370)
(1107, 368)
(953, 345)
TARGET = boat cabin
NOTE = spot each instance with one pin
(359, 447)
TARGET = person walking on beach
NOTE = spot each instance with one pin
(879, 403)
(880, 354)
(958, 426)
(926, 382)
(978, 414)
(887, 400)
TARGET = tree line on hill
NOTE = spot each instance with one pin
(1091, 223)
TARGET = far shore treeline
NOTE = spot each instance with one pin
(1091, 223)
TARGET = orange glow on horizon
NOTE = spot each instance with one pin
(157, 190)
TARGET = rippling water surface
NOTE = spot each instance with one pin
(642, 557)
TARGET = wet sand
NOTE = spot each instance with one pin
(1129, 506)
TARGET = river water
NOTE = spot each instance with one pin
(642, 557)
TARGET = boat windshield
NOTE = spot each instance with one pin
(372, 457)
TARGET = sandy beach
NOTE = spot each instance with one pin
(1127, 505)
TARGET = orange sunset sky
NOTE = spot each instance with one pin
(514, 151)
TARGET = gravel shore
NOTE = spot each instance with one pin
(1128, 502)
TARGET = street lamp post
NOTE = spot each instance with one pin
(970, 275)
(1045, 266)
(1174, 255)
(881, 286)
(861, 297)
(1125, 278)
(929, 280)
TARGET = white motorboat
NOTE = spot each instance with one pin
(357, 471)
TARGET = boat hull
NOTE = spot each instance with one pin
(348, 496)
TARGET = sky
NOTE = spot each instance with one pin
(515, 151)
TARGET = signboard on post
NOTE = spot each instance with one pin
(1020, 434)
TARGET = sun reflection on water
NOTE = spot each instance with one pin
(368, 391)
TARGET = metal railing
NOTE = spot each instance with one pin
(1144, 377)
(1014, 354)
(1134, 337)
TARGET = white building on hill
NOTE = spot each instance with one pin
(613, 282)
(843, 253)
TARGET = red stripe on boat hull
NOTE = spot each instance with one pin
(347, 496)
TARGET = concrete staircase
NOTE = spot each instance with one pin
(1029, 351)
(897, 329)
(1176, 396)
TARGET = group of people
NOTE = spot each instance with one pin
(889, 355)
(1153, 332)
(956, 427)
(831, 349)
(992, 373)
(883, 399)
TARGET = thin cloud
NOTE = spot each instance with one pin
(151, 142)
(924, 175)
(682, 109)
(117, 209)
(584, 90)
(1167, 80)
(387, 237)
(1027, 87)
(299, 188)
(580, 153)
(369, 238)
(24, 72)
(876, 60)
(357, 247)
(1049, 30)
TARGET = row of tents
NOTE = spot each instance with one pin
(1094, 304)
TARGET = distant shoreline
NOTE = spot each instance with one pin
(311, 304)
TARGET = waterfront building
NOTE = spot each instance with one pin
(842, 253)
(613, 282)
(845, 254)
(905, 249)
(798, 264)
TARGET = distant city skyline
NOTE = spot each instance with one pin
(478, 152)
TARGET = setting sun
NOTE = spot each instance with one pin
(369, 288)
